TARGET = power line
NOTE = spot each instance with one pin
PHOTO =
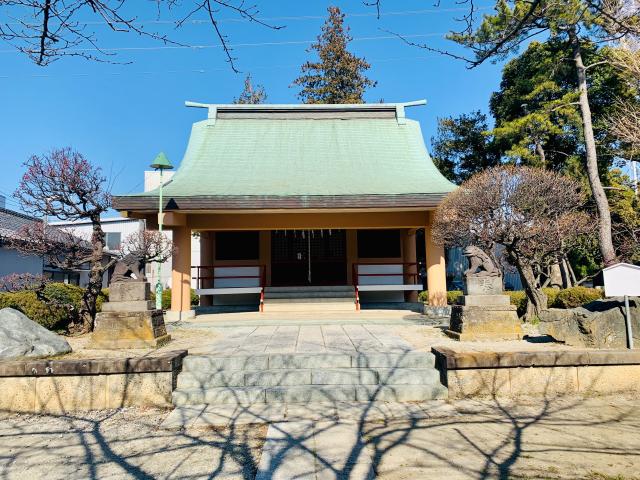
(9, 200)
(276, 19)
(236, 45)
(201, 71)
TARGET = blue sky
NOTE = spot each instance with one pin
(121, 116)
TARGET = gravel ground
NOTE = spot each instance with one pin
(423, 337)
(181, 339)
(563, 438)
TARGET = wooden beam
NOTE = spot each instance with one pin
(302, 221)
(173, 219)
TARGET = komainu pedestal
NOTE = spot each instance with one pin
(129, 319)
(484, 312)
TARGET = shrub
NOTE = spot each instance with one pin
(64, 302)
(567, 298)
(166, 298)
(452, 296)
(576, 296)
(519, 299)
(552, 294)
(38, 311)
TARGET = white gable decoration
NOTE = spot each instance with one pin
(622, 279)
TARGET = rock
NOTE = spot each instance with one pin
(599, 324)
(21, 337)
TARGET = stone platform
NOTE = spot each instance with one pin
(129, 320)
(478, 323)
(484, 312)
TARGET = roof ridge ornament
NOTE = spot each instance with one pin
(214, 108)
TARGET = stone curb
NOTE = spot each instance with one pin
(448, 359)
(168, 362)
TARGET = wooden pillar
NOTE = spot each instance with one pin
(265, 254)
(436, 271)
(206, 260)
(409, 256)
(352, 253)
(181, 274)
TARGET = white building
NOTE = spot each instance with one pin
(118, 228)
(14, 262)
(11, 261)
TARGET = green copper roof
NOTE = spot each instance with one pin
(276, 154)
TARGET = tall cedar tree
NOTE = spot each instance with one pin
(251, 94)
(338, 76)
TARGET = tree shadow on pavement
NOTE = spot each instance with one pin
(542, 436)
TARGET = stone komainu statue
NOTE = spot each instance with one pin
(129, 268)
(480, 264)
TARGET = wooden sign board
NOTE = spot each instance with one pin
(622, 279)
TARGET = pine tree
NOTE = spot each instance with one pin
(338, 75)
(251, 94)
(575, 23)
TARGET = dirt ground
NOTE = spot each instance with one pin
(566, 438)
(423, 337)
(126, 443)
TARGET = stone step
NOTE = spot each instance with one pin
(309, 393)
(289, 377)
(214, 363)
(269, 296)
(329, 288)
(309, 305)
(306, 300)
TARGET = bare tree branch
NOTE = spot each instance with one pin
(376, 4)
(46, 30)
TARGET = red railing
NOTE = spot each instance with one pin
(199, 278)
(212, 276)
(404, 273)
(405, 266)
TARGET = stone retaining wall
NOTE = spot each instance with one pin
(59, 386)
(542, 373)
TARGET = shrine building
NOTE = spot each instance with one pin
(302, 204)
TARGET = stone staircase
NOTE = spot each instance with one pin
(278, 378)
(309, 299)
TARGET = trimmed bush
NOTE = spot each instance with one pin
(166, 298)
(66, 301)
(552, 294)
(576, 296)
(452, 296)
(28, 303)
(567, 298)
(519, 299)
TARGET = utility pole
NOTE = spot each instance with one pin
(160, 163)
